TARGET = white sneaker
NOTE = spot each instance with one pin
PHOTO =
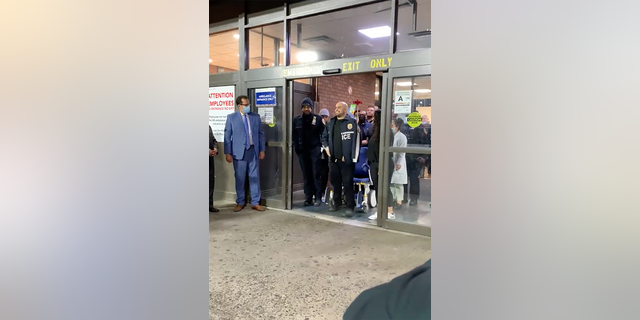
(390, 216)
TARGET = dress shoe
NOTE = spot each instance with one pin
(348, 213)
(308, 203)
(334, 208)
(317, 203)
(238, 208)
(257, 207)
(213, 209)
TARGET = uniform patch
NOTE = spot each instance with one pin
(313, 122)
(349, 126)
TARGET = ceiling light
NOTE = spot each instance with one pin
(237, 36)
(405, 84)
(398, 33)
(281, 50)
(422, 90)
(377, 32)
(307, 56)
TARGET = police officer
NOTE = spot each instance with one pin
(307, 133)
(342, 139)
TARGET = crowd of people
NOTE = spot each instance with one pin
(328, 148)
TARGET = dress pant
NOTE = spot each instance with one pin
(413, 172)
(309, 163)
(212, 180)
(342, 176)
(247, 166)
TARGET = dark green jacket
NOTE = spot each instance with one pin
(407, 297)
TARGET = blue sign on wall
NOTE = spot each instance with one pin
(266, 97)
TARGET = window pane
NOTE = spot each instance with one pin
(414, 20)
(412, 105)
(346, 33)
(223, 52)
(266, 48)
(410, 188)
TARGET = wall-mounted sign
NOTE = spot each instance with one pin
(265, 97)
(414, 119)
(266, 115)
(221, 104)
(303, 71)
(402, 101)
(375, 63)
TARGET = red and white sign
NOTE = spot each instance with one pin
(222, 102)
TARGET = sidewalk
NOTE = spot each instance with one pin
(278, 265)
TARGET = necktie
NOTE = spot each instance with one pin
(246, 133)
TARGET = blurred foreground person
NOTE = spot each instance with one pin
(407, 297)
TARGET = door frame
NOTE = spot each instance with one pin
(403, 72)
(281, 201)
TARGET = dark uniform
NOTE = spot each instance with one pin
(342, 137)
(213, 144)
(417, 136)
(307, 133)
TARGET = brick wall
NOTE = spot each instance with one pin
(331, 90)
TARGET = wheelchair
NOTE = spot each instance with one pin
(365, 197)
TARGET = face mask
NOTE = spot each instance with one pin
(393, 130)
(246, 109)
(361, 118)
(424, 123)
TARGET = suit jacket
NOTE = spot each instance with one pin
(234, 134)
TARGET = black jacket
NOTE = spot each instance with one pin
(350, 138)
(421, 136)
(407, 297)
(213, 143)
(316, 127)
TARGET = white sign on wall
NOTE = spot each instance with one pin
(266, 115)
(402, 101)
(221, 104)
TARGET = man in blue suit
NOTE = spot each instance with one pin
(243, 145)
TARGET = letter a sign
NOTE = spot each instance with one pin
(402, 101)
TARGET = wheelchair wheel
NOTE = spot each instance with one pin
(327, 194)
(371, 198)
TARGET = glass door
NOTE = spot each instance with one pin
(267, 98)
(406, 116)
